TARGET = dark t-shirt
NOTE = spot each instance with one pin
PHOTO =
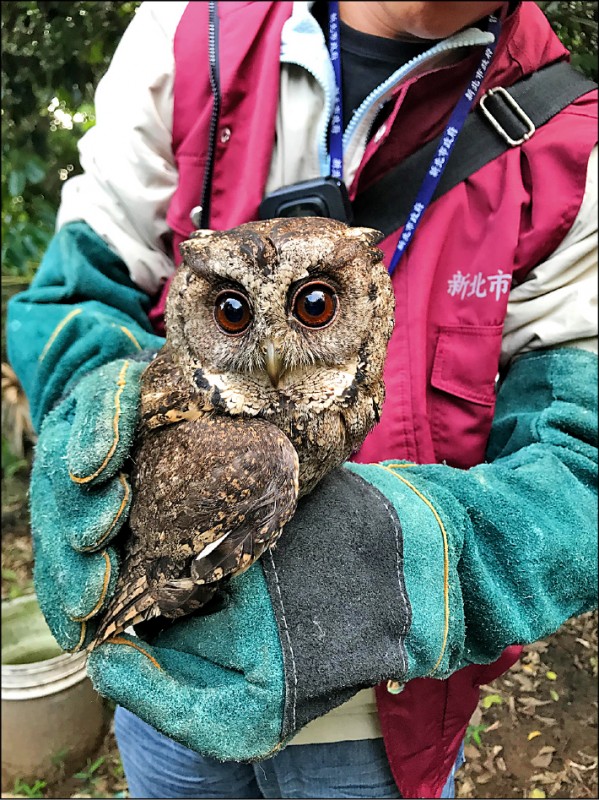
(366, 60)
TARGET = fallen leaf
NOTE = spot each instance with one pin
(543, 777)
(489, 761)
(467, 789)
(538, 647)
(476, 718)
(471, 752)
(549, 722)
(587, 757)
(554, 695)
(533, 735)
(526, 683)
(493, 727)
(580, 766)
(537, 793)
(532, 702)
(491, 700)
(576, 773)
(551, 676)
(542, 761)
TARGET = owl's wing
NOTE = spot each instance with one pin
(167, 395)
(209, 496)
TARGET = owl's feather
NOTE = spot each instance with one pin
(230, 497)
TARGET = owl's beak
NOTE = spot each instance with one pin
(273, 362)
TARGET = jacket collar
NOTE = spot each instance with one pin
(303, 44)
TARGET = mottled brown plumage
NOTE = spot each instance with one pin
(271, 376)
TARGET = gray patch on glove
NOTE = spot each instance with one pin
(336, 584)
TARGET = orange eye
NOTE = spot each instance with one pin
(314, 305)
(232, 312)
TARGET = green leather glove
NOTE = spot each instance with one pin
(387, 571)
(80, 498)
(70, 337)
(215, 683)
(238, 683)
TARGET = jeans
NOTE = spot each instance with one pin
(156, 766)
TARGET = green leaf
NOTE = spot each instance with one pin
(98, 763)
(96, 53)
(16, 183)
(88, 773)
(29, 791)
(473, 733)
(35, 171)
(491, 700)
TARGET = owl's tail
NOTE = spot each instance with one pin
(132, 603)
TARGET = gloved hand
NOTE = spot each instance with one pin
(298, 634)
(79, 498)
(350, 597)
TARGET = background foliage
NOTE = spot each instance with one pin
(53, 55)
(576, 26)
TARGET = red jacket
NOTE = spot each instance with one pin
(444, 354)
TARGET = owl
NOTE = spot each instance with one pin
(271, 376)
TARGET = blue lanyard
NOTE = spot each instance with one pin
(336, 134)
(446, 142)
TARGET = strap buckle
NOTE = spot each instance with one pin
(512, 105)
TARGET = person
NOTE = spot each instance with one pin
(347, 663)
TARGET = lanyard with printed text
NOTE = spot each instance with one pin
(336, 133)
(446, 142)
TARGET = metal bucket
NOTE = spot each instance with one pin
(52, 718)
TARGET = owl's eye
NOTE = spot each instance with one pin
(314, 304)
(232, 312)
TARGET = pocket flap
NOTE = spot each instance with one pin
(466, 361)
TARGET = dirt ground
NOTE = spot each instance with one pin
(533, 735)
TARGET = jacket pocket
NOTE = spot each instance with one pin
(462, 396)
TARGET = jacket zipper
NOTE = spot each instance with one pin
(216, 95)
(377, 97)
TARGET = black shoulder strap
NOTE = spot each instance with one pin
(486, 134)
